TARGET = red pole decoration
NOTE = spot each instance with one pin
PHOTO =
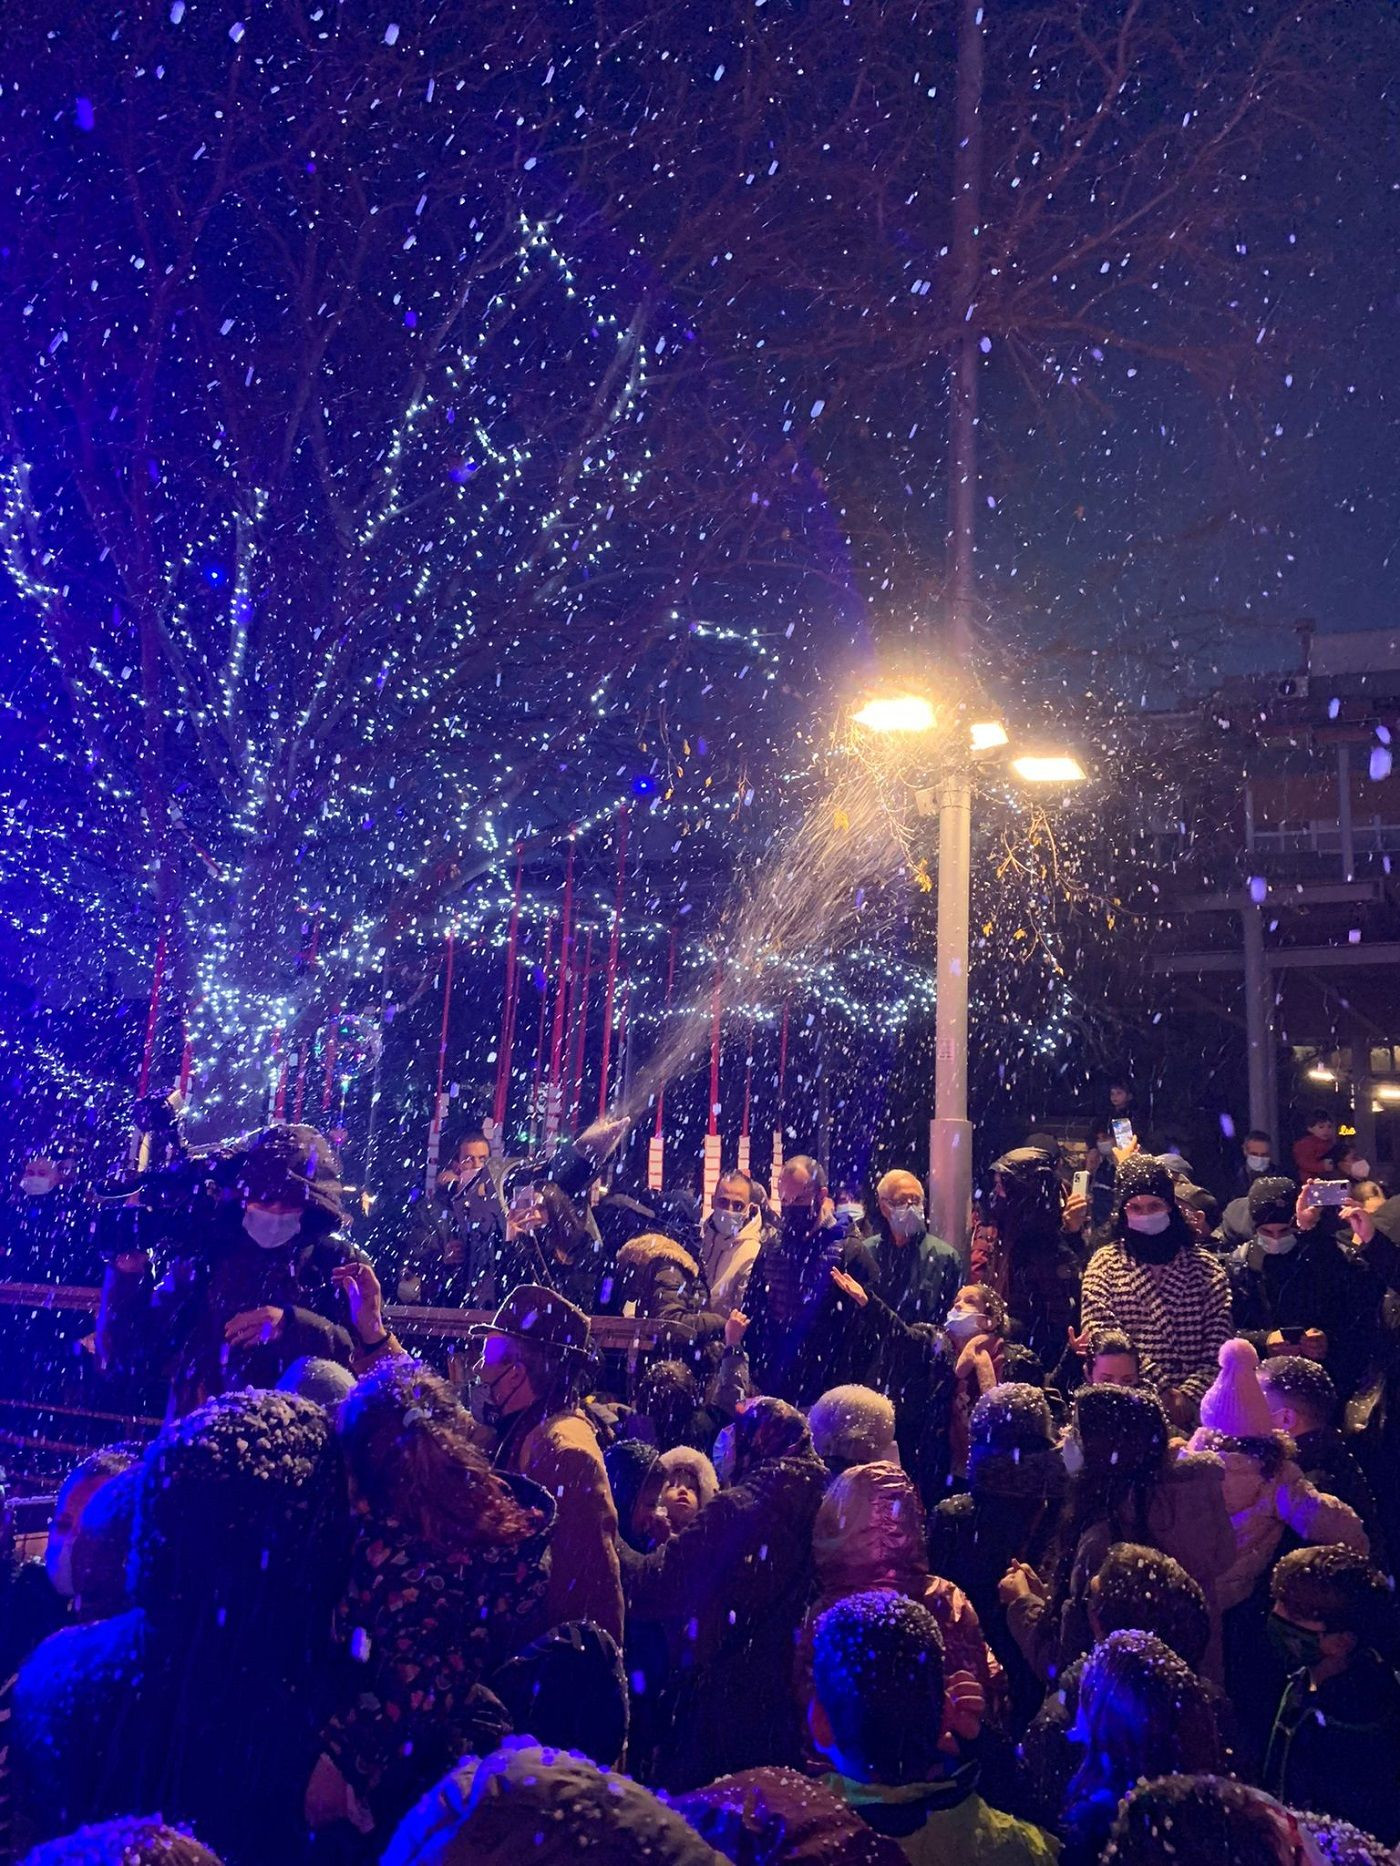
(148, 1053)
(186, 1064)
(554, 1103)
(580, 1031)
(435, 1125)
(714, 1054)
(508, 1009)
(656, 1152)
(610, 995)
(744, 1149)
(540, 1031)
(670, 982)
(328, 1080)
(710, 1178)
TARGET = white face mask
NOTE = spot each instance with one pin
(1254, 1164)
(1359, 1169)
(1072, 1453)
(35, 1185)
(728, 1224)
(1279, 1246)
(853, 1214)
(1151, 1224)
(271, 1230)
(963, 1324)
(907, 1221)
(1105, 1147)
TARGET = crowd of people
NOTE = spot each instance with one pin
(1067, 1540)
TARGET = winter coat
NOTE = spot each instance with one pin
(178, 1324)
(776, 1817)
(869, 1533)
(559, 1451)
(664, 1286)
(828, 1341)
(547, 1807)
(1043, 1287)
(1318, 1284)
(919, 1279)
(1336, 1749)
(947, 1823)
(1176, 1314)
(1186, 1519)
(1009, 1515)
(730, 1592)
(728, 1261)
(1048, 1755)
(1261, 1508)
(421, 1633)
(1329, 1465)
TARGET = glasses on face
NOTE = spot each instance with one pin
(906, 1202)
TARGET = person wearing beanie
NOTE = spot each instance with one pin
(326, 1382)
(1265, 1492)
(853, 1425)
(1016, 1480)
(1294, 1285)
(550, 1807)
(1155, 1283)
(204, 1699)
(1125, 1486)
(635, 1481)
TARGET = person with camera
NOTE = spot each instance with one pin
(1296, 1289)
(249, 1284)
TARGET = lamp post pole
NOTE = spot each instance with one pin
(950, 1131)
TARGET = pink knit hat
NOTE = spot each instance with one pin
(1235, 1404)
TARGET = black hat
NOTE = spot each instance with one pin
(630, 1462)
(1143, 1175)
(536, 1315)
(1272, 1201)
(291, 1161)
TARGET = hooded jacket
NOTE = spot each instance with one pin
(776, 1817)
(545, 1806)
(662, 1282)
(729, 1591)
(869, 1533)
(206, 1699)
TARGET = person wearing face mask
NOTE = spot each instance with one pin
(1256, 1159)
(1296, 1281)
(1153, 1281)
(45, 1224)
(251, 1288)
(526, 1384)
(808, 1299)
(1335, 1742)
(729, 1240)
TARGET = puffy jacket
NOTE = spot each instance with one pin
(663, 1283)
(776, 1817)
(869, 1532)
(730, 1591)
(1261, 1507)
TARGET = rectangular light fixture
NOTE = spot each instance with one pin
(987, 734)
(900, 712)
(1060, 768)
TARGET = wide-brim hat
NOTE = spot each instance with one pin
(543, 1319)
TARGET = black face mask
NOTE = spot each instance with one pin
(799, 1223)
(1144, 1249)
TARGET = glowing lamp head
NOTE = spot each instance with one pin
(985, 735)
(901, 712)
(1055, 768)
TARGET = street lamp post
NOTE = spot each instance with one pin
(950, 1130)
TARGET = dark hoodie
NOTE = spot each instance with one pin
(730, 1591)
(205, 1700)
